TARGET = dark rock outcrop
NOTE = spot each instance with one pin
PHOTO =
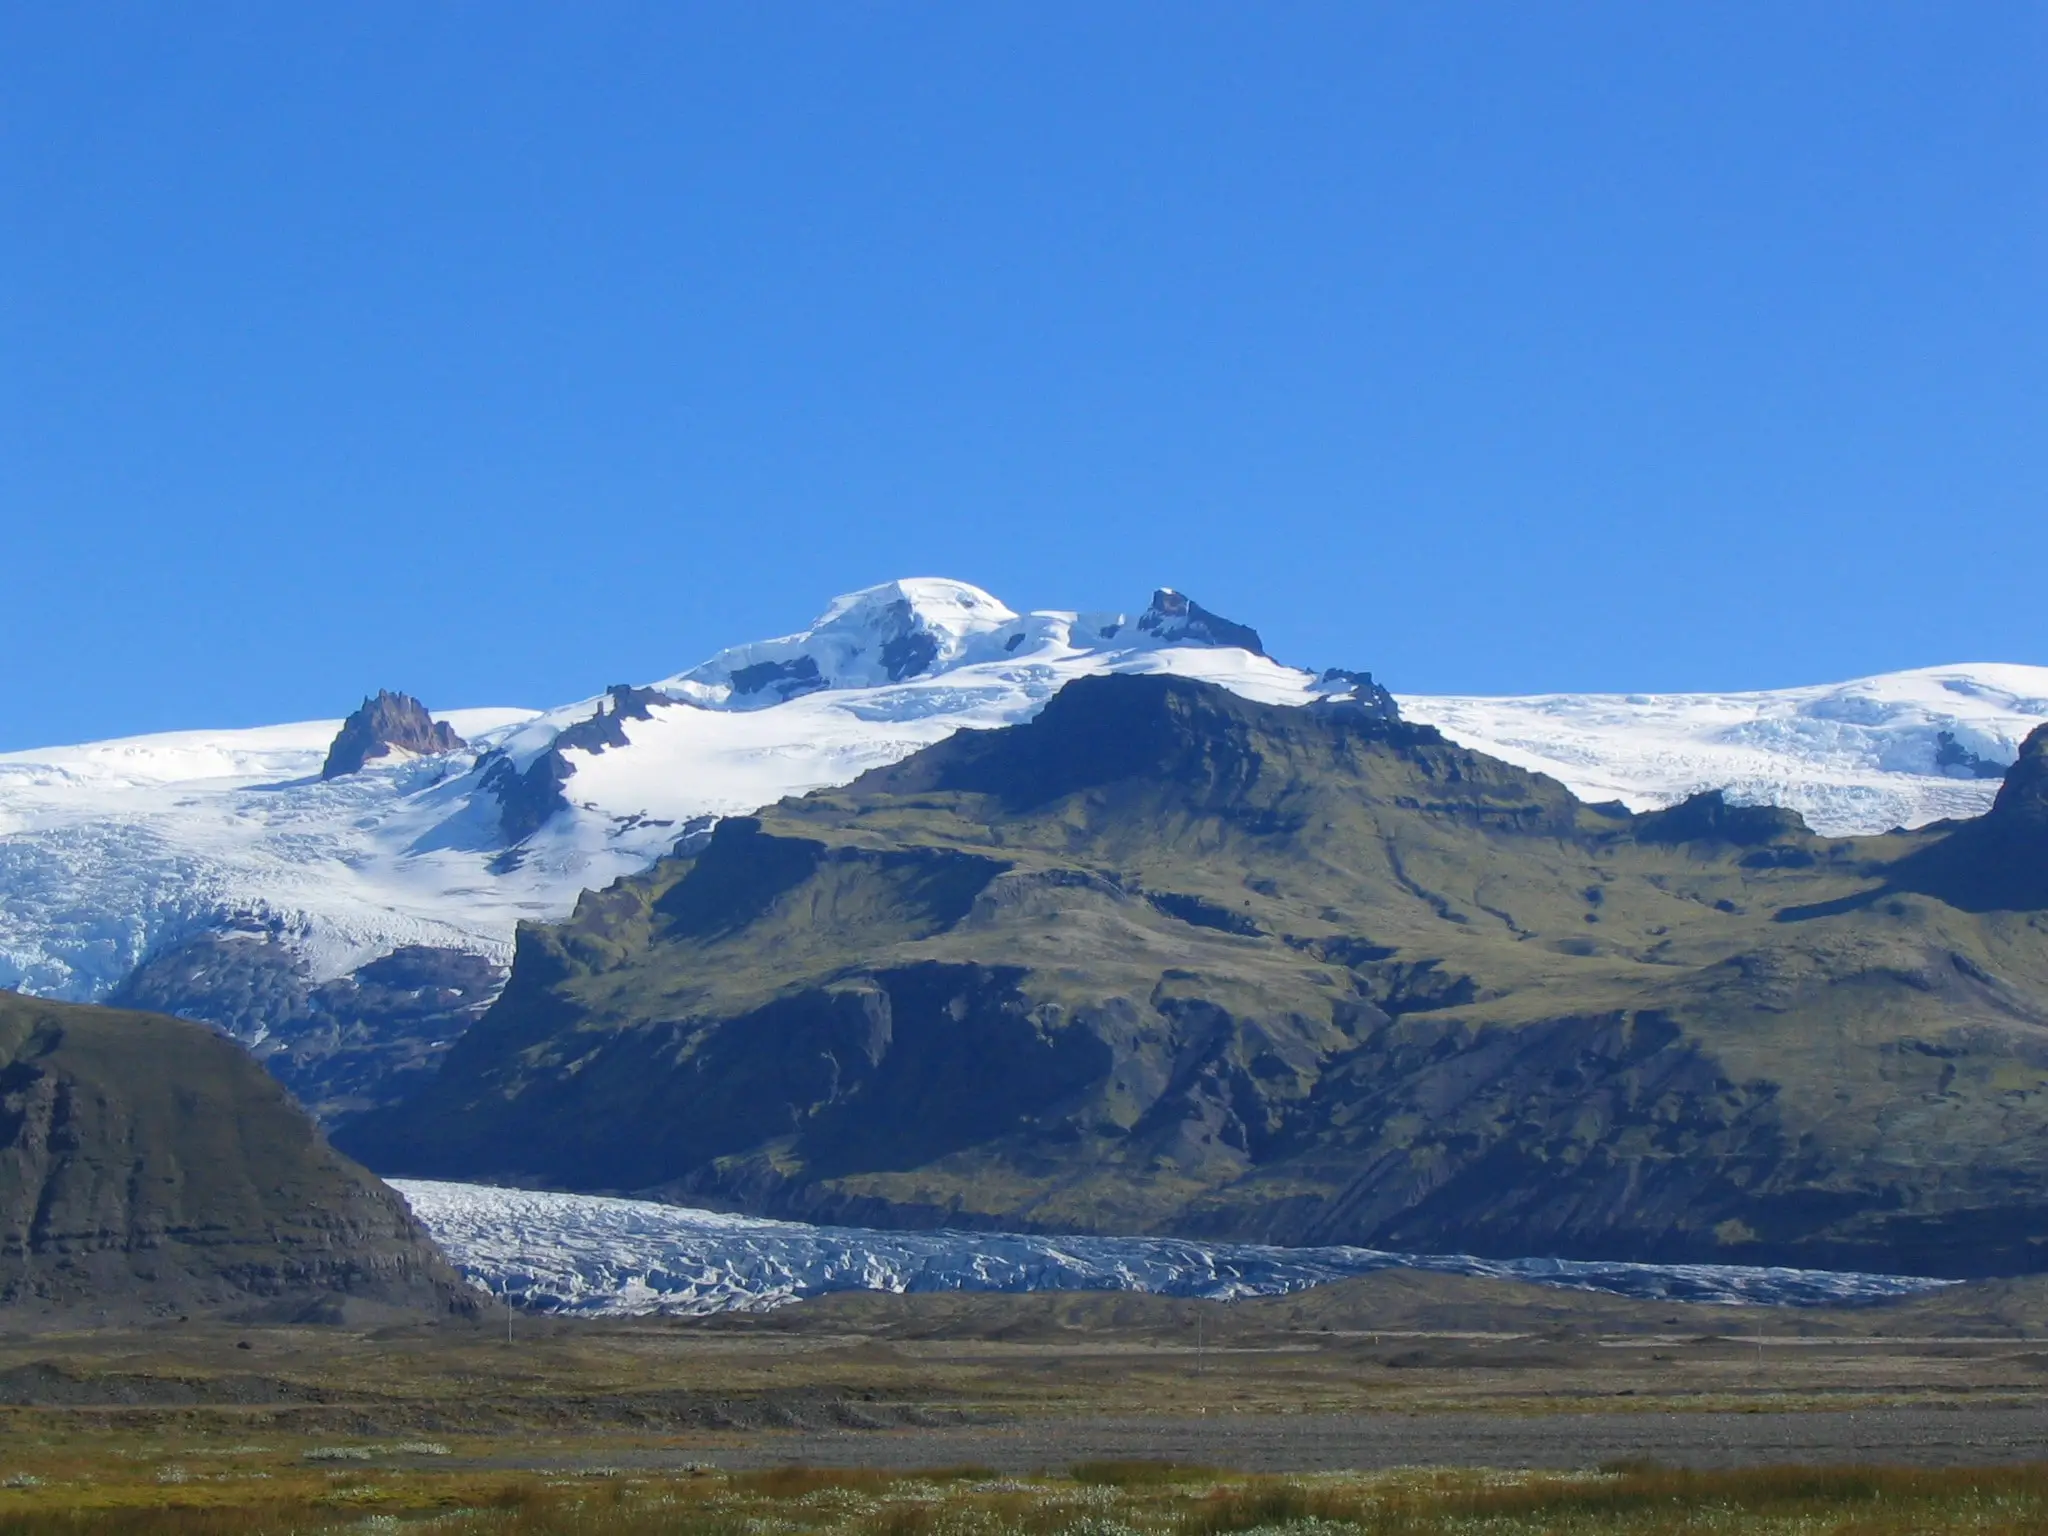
(911, 648)
(786, 679)
(148, 1167)
(606, 728)
(1951, 755)
(1999, 861)
(527, 797)
(1175, 616)
(1707, 817)
(1339, 688)
(384, 724)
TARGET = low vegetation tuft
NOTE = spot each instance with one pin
(1140, 1474)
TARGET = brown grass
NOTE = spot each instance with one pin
(1139, 1474)
(794, 1482)
(1912, 1493)
(1149, 1498)
(1651, 1499)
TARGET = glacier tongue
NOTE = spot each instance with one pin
(598, 1256)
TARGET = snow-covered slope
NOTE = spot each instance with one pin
(111, 850)
(1899, 750)
(596, 1256)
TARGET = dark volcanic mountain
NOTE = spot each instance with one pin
(150, 1167)
(1166, 960)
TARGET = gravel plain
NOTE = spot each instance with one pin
(1363, 1441)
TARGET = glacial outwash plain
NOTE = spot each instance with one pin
(958, 1071)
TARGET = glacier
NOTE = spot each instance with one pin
(1852, 758)
(599, 1256)
(110, 851)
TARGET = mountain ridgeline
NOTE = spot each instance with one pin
(1167, 960)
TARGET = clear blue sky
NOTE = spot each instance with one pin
(500, 352)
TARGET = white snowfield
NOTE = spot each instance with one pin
(1851, 758)
(116, 848)
(596, 1256)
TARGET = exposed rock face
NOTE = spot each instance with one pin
(1952, 757)
(528, 797)
(1175, 616)
(387, 723)
(1165, 960)
(1344, 689)
(2022, 803)
(359, 1042)
(1999, 862)
(911, 648)
(149, 1167)
(1707, 817)
(787, 679)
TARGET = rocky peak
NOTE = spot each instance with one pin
(1998, 861)
(2022, 804)
(1176, 616)
(1340, 688)
(1708, 817)
(1202, 739)
(384, 724)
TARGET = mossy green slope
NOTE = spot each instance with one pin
(150, 1167)
(1167, 960)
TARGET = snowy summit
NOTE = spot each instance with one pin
(111, 850)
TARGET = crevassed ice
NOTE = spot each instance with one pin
(601, 1256)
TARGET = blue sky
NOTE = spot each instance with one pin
(503, 352)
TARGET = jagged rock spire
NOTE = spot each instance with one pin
(1176, 616)
(388, 722)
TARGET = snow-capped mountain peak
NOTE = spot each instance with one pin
(923, 626)
(879, 674)
(1174, 618)
(110, 850)
(878, 635)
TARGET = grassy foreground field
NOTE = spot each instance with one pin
(257, 1489)
(1399, 1402)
